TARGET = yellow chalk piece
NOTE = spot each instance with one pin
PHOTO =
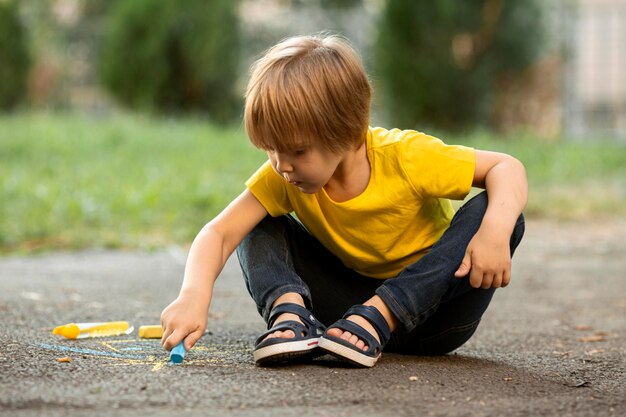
(67, 359)
(150, 332)
(83, 330)
(70, 331)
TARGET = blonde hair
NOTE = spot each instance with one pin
(305, 89)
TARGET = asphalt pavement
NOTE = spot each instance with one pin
(551, 344)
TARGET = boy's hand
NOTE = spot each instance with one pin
(487, 260)
(185, 318)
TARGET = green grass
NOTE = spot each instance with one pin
(70, 181)
(568, 180)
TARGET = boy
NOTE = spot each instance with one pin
(375, 229)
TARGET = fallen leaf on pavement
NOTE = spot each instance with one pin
(596, 337)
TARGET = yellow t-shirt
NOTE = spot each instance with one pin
(403, 211)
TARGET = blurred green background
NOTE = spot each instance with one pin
(120, 120)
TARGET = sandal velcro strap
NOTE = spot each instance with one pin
(303, 343)
(304, 314)
(372, 315)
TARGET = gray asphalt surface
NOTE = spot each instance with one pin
(552, 343)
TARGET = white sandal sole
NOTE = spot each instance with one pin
(285, 351)
(347, 353)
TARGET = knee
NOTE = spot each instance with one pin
(475, 207)
(520, 226)
(518, 233)
(478, 203)
(269, 232)
(268, 227)
(265, 227)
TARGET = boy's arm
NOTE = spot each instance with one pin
(488, 258)
(186, 317)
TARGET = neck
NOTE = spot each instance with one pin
(351, 177)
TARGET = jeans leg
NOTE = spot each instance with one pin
(280, 256)
(267, 263)
(456, 319)
(416, 293)
(448, 328)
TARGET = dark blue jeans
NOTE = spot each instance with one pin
(438, 312)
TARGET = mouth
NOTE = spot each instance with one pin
(293, 182)
(302, 186)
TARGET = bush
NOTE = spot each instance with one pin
(437, 62)
(14, 57)
(171, 55)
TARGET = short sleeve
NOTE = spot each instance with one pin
(436, 169)
(269, 188)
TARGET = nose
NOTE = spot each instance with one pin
(282, 165)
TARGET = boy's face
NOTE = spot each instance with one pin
(308, 168)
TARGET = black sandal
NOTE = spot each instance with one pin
(303, 344)
(345, 350)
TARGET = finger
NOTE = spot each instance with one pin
(166, 333)
(487, 280)
(166, 330)
(476, 278)
(465, 267)
(497, 281)
(192, 338)
(173, 339)
(506, 277)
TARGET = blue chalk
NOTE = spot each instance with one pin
(178, 353)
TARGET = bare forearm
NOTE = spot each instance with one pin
(487, 259)
(507, 189)
(204, 263)
(186, 317)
